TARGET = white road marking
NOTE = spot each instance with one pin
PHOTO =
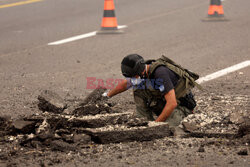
(224, 72)
(122, 26)
(71, 39)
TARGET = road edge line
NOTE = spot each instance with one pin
(223, 72)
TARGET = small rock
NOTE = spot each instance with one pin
(243, 152)
(43, 127)
(12, 138)
(189, 127)
(246, 139)
(201, 149)
(69, 110)
(51, 102)
(134, 122)
(30, 136)
(95, 96)
(236, 118)
(67, 137)
(44, 131)
(36, 144)
(94, 151)
(244, 128)
(119, 156)
(82, 138)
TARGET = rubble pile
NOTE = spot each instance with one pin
(67, 126)
(93, 104)
(219, 113)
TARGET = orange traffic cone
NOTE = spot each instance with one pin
(109, 22)
(215, 11)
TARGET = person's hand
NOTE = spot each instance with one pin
(105, 95)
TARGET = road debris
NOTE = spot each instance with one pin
(93, 125)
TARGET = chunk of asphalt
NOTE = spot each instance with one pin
(24, 126)
(100, 120)
(44, 131)
(81, 138)
(210, 135)
(93, 104)
(134, 122)
(189, 127)
(244, 128)
(201, 149)
(236, 118)
(51, 102)
(95, 96)
(65, 121)
(121, 133)
(91, 109)
(243, 152)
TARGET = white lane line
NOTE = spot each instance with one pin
(224, 71)
(71, 39)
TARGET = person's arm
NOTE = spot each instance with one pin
(170, 105)
(121, 87)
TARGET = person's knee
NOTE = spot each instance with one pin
(176, 117)
(143, 112)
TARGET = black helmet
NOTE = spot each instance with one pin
(132, 65)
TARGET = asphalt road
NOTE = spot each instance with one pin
(174, 28)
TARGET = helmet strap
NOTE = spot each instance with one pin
(144, 75)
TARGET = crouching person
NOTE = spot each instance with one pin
(161, 88)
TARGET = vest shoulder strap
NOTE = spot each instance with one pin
(187, 77)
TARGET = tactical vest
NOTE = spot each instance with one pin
(186, 77)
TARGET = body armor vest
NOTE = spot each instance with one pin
(186, 78)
